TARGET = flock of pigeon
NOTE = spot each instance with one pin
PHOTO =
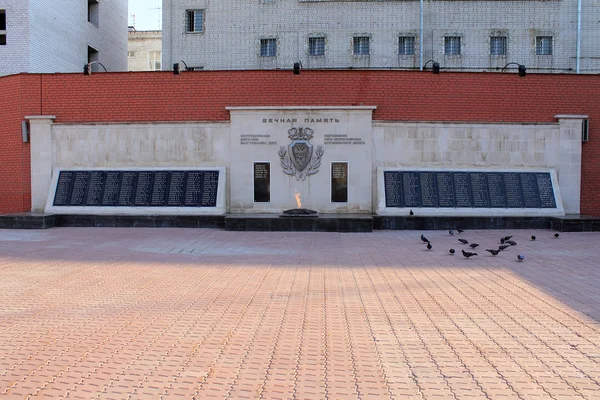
(505, 242)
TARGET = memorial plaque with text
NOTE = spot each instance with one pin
(80, 185)
(512, 186)
(126, 188)
(262, 182)
(531, 195)
(64, 188)
(479, 190)
(95, 188)
(411, 187)
(143, 188)
(496, 190)
(110, 196)
(462, 189)
(193, 188)
(546, 190)
(393, 188)
(209, 189)
(429, 196)
(176, 197)
(445, 189)
(160, 187)
(339, 182)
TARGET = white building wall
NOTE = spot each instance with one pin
(141, 45)
(233, 31)
(53, 36)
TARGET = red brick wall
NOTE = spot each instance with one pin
(398, 95)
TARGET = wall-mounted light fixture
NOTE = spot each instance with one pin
(435, 67)
(520, 67)
(297, 67)
(87, 68)
(176, 68)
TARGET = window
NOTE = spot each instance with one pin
(93, 11)
(268, 47)
(194, 21)
(498, 45)
(452, 45)
(543, 45)
(154, 60)
(316, 46)
(130, 54)
(406, 45)
(361, 45)
(93, 57)
(2, 27)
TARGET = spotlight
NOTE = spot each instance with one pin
(297, 66)
(176, 69)
(435, 68)
(522, 70)
(86, 69)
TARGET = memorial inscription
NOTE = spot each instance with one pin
(262, 182)
(468, 189)
(339, 182)
(137, 188)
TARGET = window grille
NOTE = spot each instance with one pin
(498, 45)
(268, 47)
(316, 46)
(452, 45)
(361, 45)
(194, 21)
(543, 45)
(406, 45)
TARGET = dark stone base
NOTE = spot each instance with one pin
(447, 223)
(30, 220)
(320, 223)
(576, 223)
(141, 221)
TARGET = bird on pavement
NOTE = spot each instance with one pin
(520, 257)
(502, 240)
(507, 238)
(504, 246)
(429, 246)
(424, 239)
(473, 245)
(451, 251)
(532, 237)
(494, 252)
(459, 230)
(468, 254)
(463, 241)
(411, 212)
(511, 242)
(556, 235)
(451, 232)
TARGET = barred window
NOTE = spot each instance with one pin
(154, 60)
(316, 46)
(498, 45)
(452, 45)
(268, 47)
(406, 45)
(194, 21)
(543, 45)
(361, 45)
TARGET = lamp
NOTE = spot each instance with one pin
(435, 67)
(87, 68)
(520, 67)
(176, 69)
(297, 66)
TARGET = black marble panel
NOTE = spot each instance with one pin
(339, 182)
(393, 188)
(96, 185)
(411, 187)
(429, 191)
(479, 189)
(262, 182)
(64, 187)
(497, 192)
(546, 190)
(462, 189)
(445, 188)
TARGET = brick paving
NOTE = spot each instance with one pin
(191, 313)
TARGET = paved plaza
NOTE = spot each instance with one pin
(199, 313)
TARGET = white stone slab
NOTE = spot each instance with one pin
(469, 212)
(220, 209)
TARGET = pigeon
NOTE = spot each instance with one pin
(507, 238)
(473, 245)
(451, 251)
(411, 212)
(502, 240)
(494, 252)
(520, 257)
(424, 239)
(511, 242)
(459, 230)
(429, 246)
(532, 237)
(504, 246)
(468, 254)
(451, 232)
(556, 235)
(463, 241)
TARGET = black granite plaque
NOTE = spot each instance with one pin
(193, 188)
(64, 188)
(177, 181)
(392, 181)
(127, 188)
(411, 187)
(209, 189)
(339, 182)
(496, 190)
(143, 188)
(462, 189)
(429, 196)
(160, 188)
(531, 195)
(445, 189)
(262, 182)
(512, 186)
(110, 195)
(546, 190)
(479, 190)
(95, 188)
(80, 186)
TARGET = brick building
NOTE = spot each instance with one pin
(480, 35)
(44, 36)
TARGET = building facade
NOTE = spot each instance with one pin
(144, 50)
(41, 36)
(477, 35)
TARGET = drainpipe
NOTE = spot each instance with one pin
(421, 39)
(578, 35)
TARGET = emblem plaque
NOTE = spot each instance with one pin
(300, 158)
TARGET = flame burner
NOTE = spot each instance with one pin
(299, 212)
